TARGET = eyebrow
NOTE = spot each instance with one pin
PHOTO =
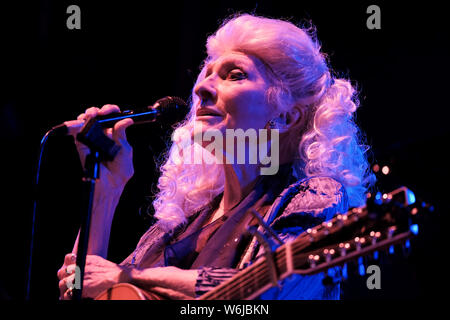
(226, 63)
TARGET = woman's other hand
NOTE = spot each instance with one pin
(99, 275)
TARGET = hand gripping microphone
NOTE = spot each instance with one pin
(167, 110)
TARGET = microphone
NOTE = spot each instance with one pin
(168, 110)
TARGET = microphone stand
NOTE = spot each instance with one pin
(101, 148)
(91, 173)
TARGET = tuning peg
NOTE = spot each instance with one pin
(410, 197)
(361, 267)
(376, 255)
(390, 234)
(406, 248)
(374, 236)
(327, 225)
(391, 231)
(359, 242)
(387, 197)
(311, 233)
(378, 198)
(343, 247)
(414, 228)
(407, 245)
(344, 272)
(428, 206)
(313, 260)
(341, 218)
(391, 249)
(356, 213)
(328, 253)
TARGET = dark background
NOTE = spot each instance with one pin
(132, 53)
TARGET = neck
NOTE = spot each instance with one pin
(239, 181)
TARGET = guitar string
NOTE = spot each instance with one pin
(235, 288)
(247, 278)
(238, 280)
(297, 247)
(280, 261)
(236, 285)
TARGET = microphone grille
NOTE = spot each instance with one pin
(172, 109)
(167, 101)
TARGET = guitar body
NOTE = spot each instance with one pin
(126, 291)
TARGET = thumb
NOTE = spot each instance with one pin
(119, 134)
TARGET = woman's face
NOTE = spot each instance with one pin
(232, 94)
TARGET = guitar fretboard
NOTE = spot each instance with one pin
(256, 276)
(249, 281)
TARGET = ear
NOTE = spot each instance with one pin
(288, 119)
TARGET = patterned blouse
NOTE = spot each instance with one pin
(302, 205)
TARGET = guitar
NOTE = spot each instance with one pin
(385, 221)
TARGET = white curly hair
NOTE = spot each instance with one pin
(329, 143)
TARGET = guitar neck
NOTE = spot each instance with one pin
(313, 251)
(244, 284)
(255, 279)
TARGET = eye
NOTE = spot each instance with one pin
(236, 74)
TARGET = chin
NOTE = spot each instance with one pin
(204, 124)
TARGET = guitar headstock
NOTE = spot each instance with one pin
(385, 221)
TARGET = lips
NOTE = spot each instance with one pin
(207, 112)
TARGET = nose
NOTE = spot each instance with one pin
(206, 90)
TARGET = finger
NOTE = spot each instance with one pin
(109, 133)
(63, 272)
(119, 134)
(66, 283)
(67, 295)
(66, 270)
(91, 112)
(70, 258)
(62, 287)
(107, 109)
(74, 126)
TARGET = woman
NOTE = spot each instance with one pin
(259, 74)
